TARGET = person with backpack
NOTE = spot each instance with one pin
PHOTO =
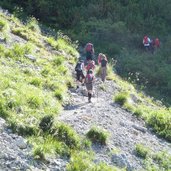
(103, 67)
(90, 65)
(99, 58)
(89, 80)
(79, 72)
(146, 42)
(89, 49)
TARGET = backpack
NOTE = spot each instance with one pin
(89, 78)
(103, 63)
(89, 47)
(91, 65)
(145, 40)
(78, 67)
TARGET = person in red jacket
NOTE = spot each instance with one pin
(90, 65)
(157, 43)
(89, 49)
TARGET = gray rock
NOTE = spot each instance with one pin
(120, 160)
(140, 128)
(21, 143)
(31, 57)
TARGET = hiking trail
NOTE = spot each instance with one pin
(125, 130)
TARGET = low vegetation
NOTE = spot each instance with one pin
(153, 160)
(97, 135)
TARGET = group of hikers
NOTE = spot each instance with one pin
(85, 69)
(151, 44)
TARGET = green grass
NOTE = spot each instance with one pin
(141, 151)
(31, 92)
(121, 98)
(97, 135)
(66, 134)
(154, 113)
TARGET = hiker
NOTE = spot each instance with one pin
(79, 72)
(152, 46)
(99, 58)
(103, 67)
(157, 43)
(90, 65)
(89, 79)
(146, 42)
(89, 49)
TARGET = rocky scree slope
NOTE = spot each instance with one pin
(125, 130)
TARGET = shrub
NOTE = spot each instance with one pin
(33, 25)
(97, 135)
(160, 120)
(34, 101)
(163, 159)
(58, 95)
(80, 161)
(58, 60)
(141, 151)
(46, 123)
(86, 143)
(67, 135)
(138, 112)
(36, 82)
(2, 24)
(3, 112)
(121, 98)
(62, 69)
(38, 153)
(23, 130)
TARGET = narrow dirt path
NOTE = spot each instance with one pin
(124, 129)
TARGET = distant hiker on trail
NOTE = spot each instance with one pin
(89, 80)
(146, 42)
(79, 72)
(89, 49)
(90, 65)
(100, 57)
(157, 43)
(103, 67)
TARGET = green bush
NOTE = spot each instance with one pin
(36, 82)
(22, 129)
(121, 98)
(161, 122)
(2, 24)
(46, 123)
(39, 153)
(97, 135)
(67, 135)
(58, 60)
(80, 161)
(34, 101)
(141, 151)
(32, 24)
(138, 112)
(59, 95)
(3, 113)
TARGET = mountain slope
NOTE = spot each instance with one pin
(126, 132)
(36, 72)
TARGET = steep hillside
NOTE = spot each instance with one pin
(48, 125)
(117, 29)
